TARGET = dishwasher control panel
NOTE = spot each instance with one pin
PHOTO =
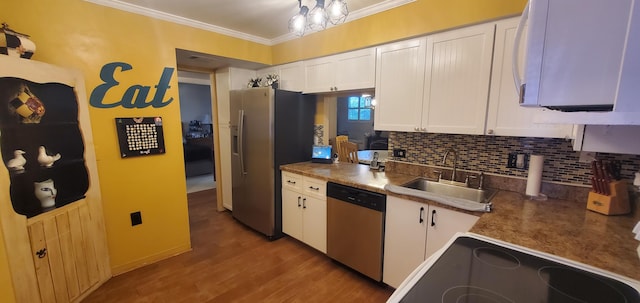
(357, 196)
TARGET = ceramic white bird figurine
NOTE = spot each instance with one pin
(46, 160)
(18, 161)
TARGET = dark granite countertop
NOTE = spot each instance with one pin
(559, 227)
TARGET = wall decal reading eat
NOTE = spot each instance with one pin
(140, 92)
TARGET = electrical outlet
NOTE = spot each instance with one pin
(136, 218)
(398, 152)
(586, 157)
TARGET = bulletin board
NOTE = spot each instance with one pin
(140, 136)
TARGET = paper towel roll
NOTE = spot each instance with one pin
(534, 178)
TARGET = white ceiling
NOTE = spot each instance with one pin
(261, 21)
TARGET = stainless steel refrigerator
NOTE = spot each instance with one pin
(269, 128)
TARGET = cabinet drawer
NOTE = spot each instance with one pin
(292, 181)
(314, 187)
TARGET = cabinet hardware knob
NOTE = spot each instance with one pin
(41, 253)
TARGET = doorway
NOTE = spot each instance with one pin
(355, 118)
(197, 130)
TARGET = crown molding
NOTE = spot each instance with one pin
(355, 15)
(179, 20)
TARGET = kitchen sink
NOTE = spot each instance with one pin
(451, 190)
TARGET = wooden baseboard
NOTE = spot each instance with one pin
(121, 269)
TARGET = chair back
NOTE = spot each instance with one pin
(338, 150)
(348, 152)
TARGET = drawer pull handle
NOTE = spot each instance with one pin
(298, 201)
(41, 253)
(314, 188)
(291, 182)
(421, 213)
(304, 203)
(433, 218)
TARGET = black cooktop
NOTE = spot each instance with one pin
(475, 271)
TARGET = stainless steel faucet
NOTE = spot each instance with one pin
(455, 161)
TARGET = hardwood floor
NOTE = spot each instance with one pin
(231, 263)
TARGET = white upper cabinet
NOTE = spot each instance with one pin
(505, 116)
(456, 86)
(399, 85)
(291, 75)
(342, 72)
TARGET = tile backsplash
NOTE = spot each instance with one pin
(490, 154)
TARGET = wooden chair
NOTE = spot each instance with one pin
(348, 152)
(340, 139)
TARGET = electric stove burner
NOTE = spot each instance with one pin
(579, 286)
(497, 258)
(477, 270)
(472, 294)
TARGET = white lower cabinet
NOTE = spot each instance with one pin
(304, 210)
(413, 232)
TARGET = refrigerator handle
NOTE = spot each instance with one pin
(241, 139)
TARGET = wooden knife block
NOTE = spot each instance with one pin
(617, 203)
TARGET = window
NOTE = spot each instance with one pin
(359, 108)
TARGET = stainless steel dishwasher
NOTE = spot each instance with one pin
(355, 228)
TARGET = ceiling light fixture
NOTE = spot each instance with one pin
(338, 11)
(298, 23)
(318, 17)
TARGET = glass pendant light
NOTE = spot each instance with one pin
(298, 23)
(318, 17)
(337, 11)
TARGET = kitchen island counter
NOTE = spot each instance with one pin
(559, 227)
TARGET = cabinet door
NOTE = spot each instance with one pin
(399, 85)
(319, 75)
(355, 70)
(292, 213)
(404, 239)
(505, 116)
(456, 83)
(59, 252)
(314, 220)
(443, 224)
(292, 76)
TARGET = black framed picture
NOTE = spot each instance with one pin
(140, 136)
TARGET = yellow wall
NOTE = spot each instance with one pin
(85, 36)
(414, 19)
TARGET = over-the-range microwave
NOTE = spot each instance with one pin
(582, 60)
